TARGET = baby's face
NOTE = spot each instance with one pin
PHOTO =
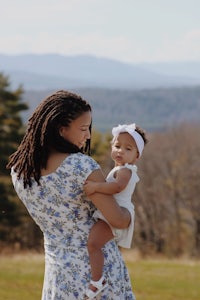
(124, 149)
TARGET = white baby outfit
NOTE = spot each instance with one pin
(123, 237)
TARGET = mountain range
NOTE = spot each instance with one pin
(54, 71)
(155, 96)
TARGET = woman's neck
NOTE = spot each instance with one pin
(53, 162)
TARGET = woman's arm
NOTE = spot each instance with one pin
(122, 178)
(116, 215)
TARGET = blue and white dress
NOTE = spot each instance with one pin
(65, 216)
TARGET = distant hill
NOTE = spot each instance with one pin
(53, 71)
(155, 95)
(153, 109)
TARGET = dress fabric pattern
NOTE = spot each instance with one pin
(64, 214)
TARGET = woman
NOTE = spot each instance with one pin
(48, 171)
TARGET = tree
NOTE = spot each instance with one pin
(11, 130)
(11, 125)
(167, 197)
(100, 149)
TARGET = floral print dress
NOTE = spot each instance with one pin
(64, 214)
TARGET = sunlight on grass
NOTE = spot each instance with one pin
(21, 277)
(165, 279)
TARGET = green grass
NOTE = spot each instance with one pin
(165, 279)
(21, 278)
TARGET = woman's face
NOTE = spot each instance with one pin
(78, 130)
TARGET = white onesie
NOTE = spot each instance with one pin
(123, 237)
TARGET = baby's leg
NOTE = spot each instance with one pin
(99, 235)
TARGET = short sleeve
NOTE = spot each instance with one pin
(83, 166)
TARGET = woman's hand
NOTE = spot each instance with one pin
(89, 187)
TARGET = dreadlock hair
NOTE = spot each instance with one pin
(42, 134)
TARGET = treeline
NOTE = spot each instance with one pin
(167, 201)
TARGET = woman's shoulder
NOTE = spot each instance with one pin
(81, 158)
(81, 165)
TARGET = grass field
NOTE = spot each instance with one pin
(165, 279)
(21, 278)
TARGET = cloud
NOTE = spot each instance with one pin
(69, 44)
(118, 31)
(186, 47)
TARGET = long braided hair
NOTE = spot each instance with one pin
(42, 134)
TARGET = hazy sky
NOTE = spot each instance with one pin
(127, 30)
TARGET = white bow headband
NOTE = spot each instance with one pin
(131, 130)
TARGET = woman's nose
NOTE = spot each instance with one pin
(88, 134)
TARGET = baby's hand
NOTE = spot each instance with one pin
(89, 187)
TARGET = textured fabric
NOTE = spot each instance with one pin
(64, 215)
(123, 237)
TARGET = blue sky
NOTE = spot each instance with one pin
(127, 30)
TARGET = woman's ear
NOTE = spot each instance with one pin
(61, 129)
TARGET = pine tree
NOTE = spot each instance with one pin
(11, 131)
(11, 125)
